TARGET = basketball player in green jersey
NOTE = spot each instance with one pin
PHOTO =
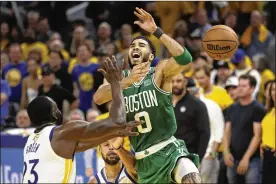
(160, 157)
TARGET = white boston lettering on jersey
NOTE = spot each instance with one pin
(140, 101)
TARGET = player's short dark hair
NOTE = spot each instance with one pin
(152, 47)
(252, 80)
(40, 111)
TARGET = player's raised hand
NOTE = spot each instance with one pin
(117, 142)
(145, 21)
(111, 71)
(127, 131)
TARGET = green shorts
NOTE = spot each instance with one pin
(158, 167)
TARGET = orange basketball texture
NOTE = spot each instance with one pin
(220, 42)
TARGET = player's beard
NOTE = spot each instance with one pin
(109, 161)
(177, 91)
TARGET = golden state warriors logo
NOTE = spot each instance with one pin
(86, 81)
(13, 76)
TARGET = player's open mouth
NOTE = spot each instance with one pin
(136, 55)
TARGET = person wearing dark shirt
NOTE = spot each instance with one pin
(60, 68)
(243, 134)
(56, 92)
(191, 117)
(14, 72)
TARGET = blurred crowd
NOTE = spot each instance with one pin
(55, 49)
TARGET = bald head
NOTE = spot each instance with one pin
(256, 19)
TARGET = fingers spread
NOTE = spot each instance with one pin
(138, 15)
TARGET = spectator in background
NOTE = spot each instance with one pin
(76, 114)
(44, 31)
(4, 60)
(231, 87)
(56, 92)
(22, 119)
(122, 43)
(60, 68)
(30, 43)
(30, 83)
(5, 93)
(210, 91)
(209, 168)
(16, 35)
(79, 35)
(191, 117)
(91, 115)
(261, 65)
(231, 21)
(268, 138)
(4, 35)
(86, 78)
(14, 72)
(241, 68)
(32, 19)
(243, 134)
(104, 36)
(194, 43)
(58, 45)
(92, 59)
(271, 55)
(221, 74)
(202, 19)
(180, 29)
(256, 38)
(36, 54)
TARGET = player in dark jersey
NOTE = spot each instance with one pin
(61, 141)
(160, 158)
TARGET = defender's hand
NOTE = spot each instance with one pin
(127, 130)
(146, 21)
(112, 73)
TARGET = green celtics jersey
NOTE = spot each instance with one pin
(146, 101)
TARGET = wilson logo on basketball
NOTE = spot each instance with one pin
(217, 47)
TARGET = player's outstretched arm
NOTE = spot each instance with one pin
(126, 156)
(114, 126)
(181, 58)
(103, 94)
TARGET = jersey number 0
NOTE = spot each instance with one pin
(148, 127)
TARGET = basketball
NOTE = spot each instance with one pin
(220, 42)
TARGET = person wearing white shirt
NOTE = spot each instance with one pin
(239, 60)
(209, 167)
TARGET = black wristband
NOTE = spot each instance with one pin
(158, 32)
